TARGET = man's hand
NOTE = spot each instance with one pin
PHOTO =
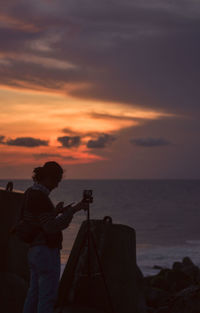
(67, 207)
(82, 205)
(59, 207)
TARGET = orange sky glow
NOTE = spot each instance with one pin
(91, 87)
(48, 115)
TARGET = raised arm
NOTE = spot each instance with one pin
(44, 212)
(52, 223)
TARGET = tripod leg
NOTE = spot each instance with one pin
(102, 273)
(78, 267)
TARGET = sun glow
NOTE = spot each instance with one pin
(47, 116)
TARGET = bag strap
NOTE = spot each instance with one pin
(22, 209)
(24, 204)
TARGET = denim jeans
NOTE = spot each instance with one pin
(44, 265)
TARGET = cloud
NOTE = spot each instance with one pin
(29, 142)
(144, 52)
(107, 116)
(70, 142)
(150, 142)
(2, 139)
(53, 155)
(70, 131)
(11, 22)
(81, 134)
(101, 142)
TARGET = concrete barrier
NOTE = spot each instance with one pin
(116, 250)
(14, 273)
(13, 292)
(13, 259)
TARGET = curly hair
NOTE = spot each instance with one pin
(49, 169)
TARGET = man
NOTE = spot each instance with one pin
(44, 251)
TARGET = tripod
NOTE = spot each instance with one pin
(91, 241)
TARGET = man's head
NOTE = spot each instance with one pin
(50, 174)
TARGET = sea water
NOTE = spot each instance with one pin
(164, 213)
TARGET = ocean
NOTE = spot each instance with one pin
(164, 213)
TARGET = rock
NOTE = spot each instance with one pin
(148, 280)
(141, 302)
(175, 290)
(171, 280)
(177, 280)
(187, 261)
(187, 301)
(157, 267)
(160, 281)
(189, 268)
(177, 266)
(157, 297)
(13, 292)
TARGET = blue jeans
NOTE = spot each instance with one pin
(44, 265)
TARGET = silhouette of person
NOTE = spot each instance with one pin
(44, 250)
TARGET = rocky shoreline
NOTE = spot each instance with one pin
(172, 290)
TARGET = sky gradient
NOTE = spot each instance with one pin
(109, 89)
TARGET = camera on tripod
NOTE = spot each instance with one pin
(87, 196)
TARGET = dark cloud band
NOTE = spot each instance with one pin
(26, 142)
(157, 59)
(39, 156)
(2, 139)
(102, 141)
(150, 142)
(70, 142)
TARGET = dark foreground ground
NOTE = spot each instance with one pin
(173, 290)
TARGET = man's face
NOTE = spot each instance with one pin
(52, 183)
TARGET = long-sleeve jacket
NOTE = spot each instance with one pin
(40, 211)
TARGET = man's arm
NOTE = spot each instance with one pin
(52, 224)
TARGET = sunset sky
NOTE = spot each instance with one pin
(109, 89)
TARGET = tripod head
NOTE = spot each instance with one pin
(88, 198)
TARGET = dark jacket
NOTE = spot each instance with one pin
(40, 211)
